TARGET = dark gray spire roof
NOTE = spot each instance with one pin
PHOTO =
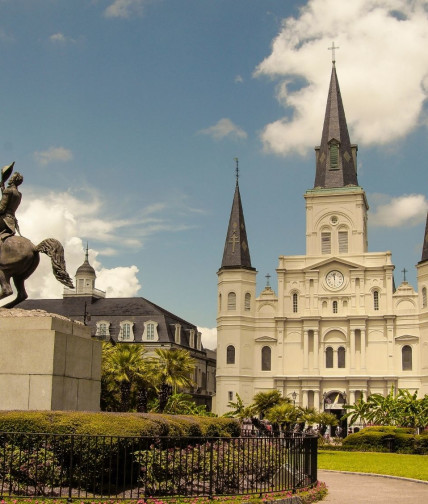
(336, 162)
(86, 268)
(425, 246)
(236, 252)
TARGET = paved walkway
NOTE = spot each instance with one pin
(350, 488)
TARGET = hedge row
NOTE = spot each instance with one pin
(387, 439)
(117, 424)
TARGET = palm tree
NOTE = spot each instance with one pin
(284, 414)
(358, 410)
(173, 370)
(239, 410)
(124, 366)
(264, 401)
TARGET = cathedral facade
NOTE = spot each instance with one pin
(336, 329)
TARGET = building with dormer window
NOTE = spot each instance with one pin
(132, 320)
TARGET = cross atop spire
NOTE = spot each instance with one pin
(237, 169)
(333, 52)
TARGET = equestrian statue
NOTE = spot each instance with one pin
(19, 257)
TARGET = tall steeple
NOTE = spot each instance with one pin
(425, 245)
(335, 157)
(236, 252)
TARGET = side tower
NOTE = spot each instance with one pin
(235, 312)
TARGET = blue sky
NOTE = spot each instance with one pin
(125, 116)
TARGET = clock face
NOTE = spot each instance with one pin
(334, 279)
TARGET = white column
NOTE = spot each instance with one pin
(363, 349)
(352, 348)
(317, 399)
(305, 349)
(316, 349)
(304, 398)
(351, 397)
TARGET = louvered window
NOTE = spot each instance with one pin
(326, 243)
(406, 356)
(247, 303)
(343, 242)
(231, 301)
(230, 355)
(329, 357)
(341, 357)
(424, 297)
(334, 156)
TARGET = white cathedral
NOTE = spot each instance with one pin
(337, 329)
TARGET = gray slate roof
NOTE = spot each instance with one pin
(236, 250)
(115, 310)
(335, 128)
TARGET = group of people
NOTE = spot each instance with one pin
(254, 427)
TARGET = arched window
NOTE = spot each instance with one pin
(247, 304)
(295, 302)
(341, 357)
(231, 301)
(343, 242)
(126, 333)
(406, 358)
(266, 358)
(230, 355)
(219, 302)
(376, 300)
(326, 242)
(334, 306)
(424, 297)
(328, 357)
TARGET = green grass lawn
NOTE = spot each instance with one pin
(394, 464)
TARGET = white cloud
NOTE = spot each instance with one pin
(71, 219)
(209, 337)
(125, 8)
(60, 38)
(239, 79)
(52, 155)
(224, 128)
(382, 66)
(407, 210)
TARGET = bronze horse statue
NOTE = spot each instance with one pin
(19, 258)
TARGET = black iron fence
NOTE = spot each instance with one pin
(75, 466)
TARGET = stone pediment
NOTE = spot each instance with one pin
(333, 261)
(266, 339)
(407, 337)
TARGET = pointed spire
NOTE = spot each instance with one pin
(425, 246)
(335, 157)
(236, 252)
(87, 253)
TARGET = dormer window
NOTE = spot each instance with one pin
(103, 329)
(192, 338)
(150, 331)
(126, 332)
(177, 335)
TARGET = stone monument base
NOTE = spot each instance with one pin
(48, 362)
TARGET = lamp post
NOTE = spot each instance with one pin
(294, 395)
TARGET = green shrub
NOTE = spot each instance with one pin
(116, 424)
(381, 439)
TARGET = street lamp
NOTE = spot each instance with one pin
(294, 395)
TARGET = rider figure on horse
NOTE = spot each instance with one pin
(10, 200)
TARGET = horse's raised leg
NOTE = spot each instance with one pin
(20, 289)
(6, 289)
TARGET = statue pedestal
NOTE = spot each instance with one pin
(47, 363)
